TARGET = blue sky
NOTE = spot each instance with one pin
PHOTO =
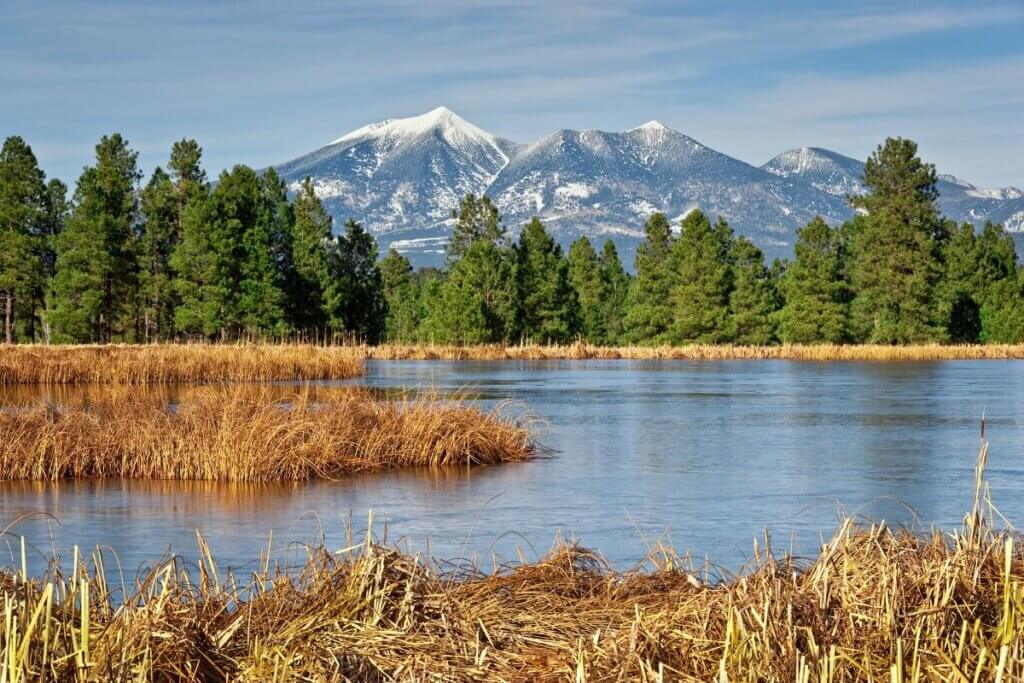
(261, 82)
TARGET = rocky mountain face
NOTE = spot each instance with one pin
(403, 178)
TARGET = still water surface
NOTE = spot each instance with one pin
(703, 455)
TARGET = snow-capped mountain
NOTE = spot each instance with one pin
(596, 183)
(825, 170)
(402, 174)
(403, 177)
(958, 199)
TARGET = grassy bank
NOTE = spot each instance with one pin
(174, 363)
(209, 363)
(584, 351)
(250, 434)
(877, 604)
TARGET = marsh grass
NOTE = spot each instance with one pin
(585, 351)
(249, 433)
(174, 363)
(877, 604)
(212, 363)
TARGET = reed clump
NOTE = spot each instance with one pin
(586, 351)
(249, 433)
(877, 604)
(174, 363)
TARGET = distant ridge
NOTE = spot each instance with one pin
(403, 177)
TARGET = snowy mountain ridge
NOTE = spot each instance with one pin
(403, 178)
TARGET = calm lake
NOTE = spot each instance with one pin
(701, 455)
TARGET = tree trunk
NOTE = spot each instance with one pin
(9, 317)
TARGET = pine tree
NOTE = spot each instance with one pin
(614, 290)
(1002, 314)
(648, 310)
(477, 302)
(402, 293)
(703, 281)
(548, 302)
(23, 202)
(57, 210)
(311, 234)
(202, 284)
(585, 278)
(229, 277)
(897, 265)
(94, 274)
(815, 293)
(158, 238)
(476, 219)
(956, 294)
(753, 301)
(998, 285)
(355, 298)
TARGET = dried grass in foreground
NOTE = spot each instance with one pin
(585, 351)
(876, 605)
(252, 434)
(174, 363)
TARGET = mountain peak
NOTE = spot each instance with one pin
(651, 125)
(441, 119)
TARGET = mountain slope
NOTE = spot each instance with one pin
(402, 173)
(403, 177)
(963, 202)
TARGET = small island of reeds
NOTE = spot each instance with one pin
(252, 434)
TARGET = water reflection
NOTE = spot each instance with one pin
(705, 454)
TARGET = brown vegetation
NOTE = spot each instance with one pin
(876, 605)
(251, 434)
(174, 363)
(584, 351)
(211, 363)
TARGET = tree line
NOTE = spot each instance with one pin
(181, 258)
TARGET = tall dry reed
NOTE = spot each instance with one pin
(174, 363)
(585, 351)
(877, 604)
(252, 434)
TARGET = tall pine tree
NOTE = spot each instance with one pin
(548, 301)
(703, 280)
(648, 310)
(753, 301)
(585, 277)
(614, 290)
(897, 249)
(402, 293)
(354, 298)
(158, 238)
(23, 204)
(815, 293)
(94, 273)
(311, 277)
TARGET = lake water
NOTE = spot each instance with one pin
(702, 455)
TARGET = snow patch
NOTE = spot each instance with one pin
(578, 190)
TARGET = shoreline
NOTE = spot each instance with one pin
(876, 603)
(194, 363)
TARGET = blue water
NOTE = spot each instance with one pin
(702, 455)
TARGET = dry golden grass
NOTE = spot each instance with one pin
(174, 363)
(876, 605)
(251, 434)
(584, 351)
(209, 363)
